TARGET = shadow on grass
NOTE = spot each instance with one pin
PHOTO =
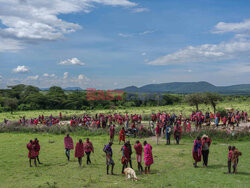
(216, 166)
(243, 173)
(154, 171)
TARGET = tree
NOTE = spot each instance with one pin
(11, 103)
(195, 99)
(212, 99)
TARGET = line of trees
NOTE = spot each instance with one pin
(196, 99)
(23, 97)
(26, 97)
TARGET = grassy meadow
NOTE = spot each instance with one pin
(184, 108)
(172, 165)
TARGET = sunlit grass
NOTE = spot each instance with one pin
(172, 167)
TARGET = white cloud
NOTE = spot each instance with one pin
(146, 32)
(33, 77)
(49, 75)
(1, 77)
(223, 27)
(236, 48)
(35, 21)
(81, 77)
(73, 61)
(144, 53)
(125, 35)
(65, 75)
(21, 69)
(9, 45)
(139, 10)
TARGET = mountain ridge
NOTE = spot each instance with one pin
(189, 87)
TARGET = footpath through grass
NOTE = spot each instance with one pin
(172, 166)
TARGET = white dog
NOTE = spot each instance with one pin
(130, 173)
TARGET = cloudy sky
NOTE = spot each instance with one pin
(109, 44)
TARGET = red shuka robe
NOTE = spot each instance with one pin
(79, 150)
(122, 135)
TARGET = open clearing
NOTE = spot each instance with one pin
(172, 167)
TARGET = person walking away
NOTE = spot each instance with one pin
(68, 145)
(88, 148)
(79, 151)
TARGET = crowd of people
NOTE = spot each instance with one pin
(200, 152)
(87, 148)
(134, 121)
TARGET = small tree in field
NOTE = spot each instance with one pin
(212, 99)
(194, 100)
(12, 103)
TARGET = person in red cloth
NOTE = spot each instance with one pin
(79, 151)
(157, 133)
(206, 142)
(197, 151)
(177, 133)
(188, 127)
(112, 133)
(88, 148)
(122, 135)
(37, 149)
(125, 156)
(68, 145)
(148, 157)
(60, 115)
(138, 149)
(31, 154)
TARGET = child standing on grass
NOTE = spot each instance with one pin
(229, 159)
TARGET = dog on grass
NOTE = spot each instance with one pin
(130, 173)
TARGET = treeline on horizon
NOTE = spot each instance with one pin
(27, 97)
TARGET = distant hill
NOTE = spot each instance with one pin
(190, 87)
(65, 89)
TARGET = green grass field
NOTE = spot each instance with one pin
(185, 109)
(172, 166)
